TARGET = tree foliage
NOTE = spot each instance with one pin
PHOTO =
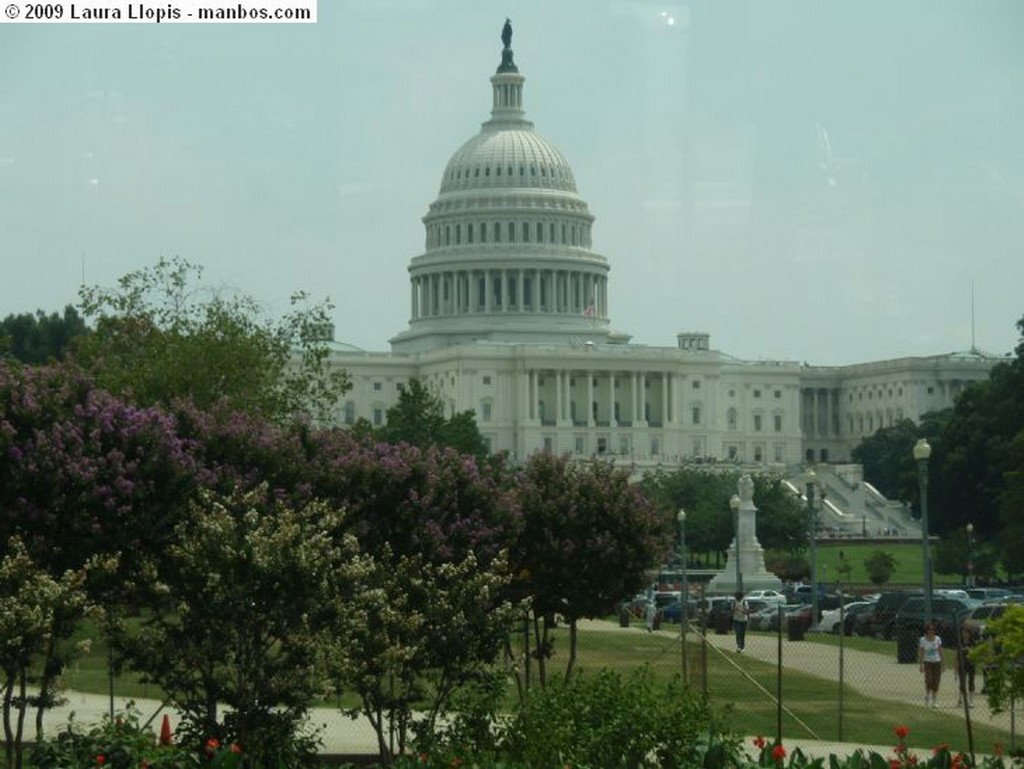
(705, 493)
(82, 472)
(978, 464)
(160, 337)
(1000, 656)
(40, 338)
(880, 566)
(237, 617)
(587, 537)
(418, 418)
(887, 459)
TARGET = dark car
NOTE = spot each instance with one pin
(947, 614)
(880, 623)
(979, 617)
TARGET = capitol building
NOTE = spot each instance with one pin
(509, 317)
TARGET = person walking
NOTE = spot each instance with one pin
(651, 615)
(965, 667)
(929, 659)
(740, 615)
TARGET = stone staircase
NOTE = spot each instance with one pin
(850, 507)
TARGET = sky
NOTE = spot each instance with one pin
(829, 182)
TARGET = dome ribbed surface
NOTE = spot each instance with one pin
(507, 158)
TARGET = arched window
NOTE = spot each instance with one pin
(730, 418)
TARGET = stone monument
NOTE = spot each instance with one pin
(745, 550)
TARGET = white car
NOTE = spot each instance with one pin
(830, 619)
(768, 596)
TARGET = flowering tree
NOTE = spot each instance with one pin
(246, 592)
(587, 536)
(82, 472)
(38, 614)
(434, 615)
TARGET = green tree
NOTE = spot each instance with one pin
(38, 614)
(887, 459)
(238, 616)
(880, 566)
(418, 418)
(977, 461)
(705, 493)
(159, 337)
(40, 338)
(587, 537)
(1000, 657)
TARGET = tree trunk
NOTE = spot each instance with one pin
(572, 650)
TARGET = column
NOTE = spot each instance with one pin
(558, 397)
(534, 395)
(487, 291)
(590, 398)
(667, 415)
(642, 417)
(611, 398)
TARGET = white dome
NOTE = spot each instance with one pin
(507, 158)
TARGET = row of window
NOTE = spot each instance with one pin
(468, 233)
(757, 393)
(508, 171)
(732, 421)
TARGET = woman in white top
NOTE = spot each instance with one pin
(929, 659)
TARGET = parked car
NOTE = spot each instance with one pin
(672, 612)
(878, 623)
(762, 618)
(988, 593)
(830, 619)
(768, 596)
(719, 613)
(978, 618)
(947, 613)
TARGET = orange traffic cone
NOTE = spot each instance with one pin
(165, 731)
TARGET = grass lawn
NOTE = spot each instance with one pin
(909, 563)
(746, 687)
(742, 687)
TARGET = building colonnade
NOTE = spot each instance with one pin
(508, 289)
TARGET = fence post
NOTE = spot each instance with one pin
(778, 686)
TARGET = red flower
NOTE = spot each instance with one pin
(235, 748)
(423, 758)
(760, 742)
(778, 752)
(100, 759)
(895, 763)
(902, 732)
(456, 762)
(942, 747)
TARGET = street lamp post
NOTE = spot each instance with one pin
(684, 596)
(809, 479)
(921, 453)
(970, 554)
(734, 503)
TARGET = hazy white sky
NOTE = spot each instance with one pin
(802, 179)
